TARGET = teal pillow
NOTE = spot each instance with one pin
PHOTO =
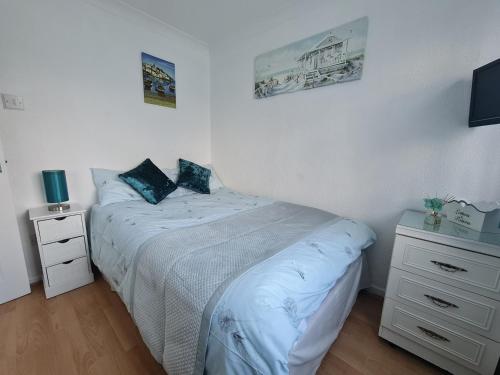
(194, 177)
(149, 181)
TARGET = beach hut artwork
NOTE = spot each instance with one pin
(334, 56)
(158, 81)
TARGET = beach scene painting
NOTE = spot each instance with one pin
(158, 81)
(333, 56)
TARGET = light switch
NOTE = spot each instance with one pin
(13, 102)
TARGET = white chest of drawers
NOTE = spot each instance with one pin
(442, 300)
(63, 248)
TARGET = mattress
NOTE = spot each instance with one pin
(325, 324)
(114, 247)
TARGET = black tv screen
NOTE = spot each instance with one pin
(485, 96)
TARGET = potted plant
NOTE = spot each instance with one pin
(434, 207)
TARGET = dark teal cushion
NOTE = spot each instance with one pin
(149, 181)
(194, 177)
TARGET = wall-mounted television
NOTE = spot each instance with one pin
(485, 96)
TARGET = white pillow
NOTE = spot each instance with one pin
(215, 182)
(111, 189)
(173, 174)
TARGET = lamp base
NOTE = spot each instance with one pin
(59, 207)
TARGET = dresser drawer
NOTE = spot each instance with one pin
(64, 250)
(464, 269)
(53, 230)
(68, 272)
(468, 310)
(470, 350)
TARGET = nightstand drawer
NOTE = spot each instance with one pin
(67, 272)
(470, 350)
(471, 271)
(465, 309)
(61, 228)
(64, 250)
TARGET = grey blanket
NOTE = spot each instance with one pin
(180, 275)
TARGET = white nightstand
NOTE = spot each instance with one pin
(442, 300)
(63, 248)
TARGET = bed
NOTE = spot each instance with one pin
(228, 283)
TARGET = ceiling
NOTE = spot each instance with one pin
(208, 20)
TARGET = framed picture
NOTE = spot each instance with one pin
(158, 81)
(334, 56)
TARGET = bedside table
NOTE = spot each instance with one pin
(442, 300)
(63, 248)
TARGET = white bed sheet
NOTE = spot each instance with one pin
(325, 324)
(119, 229)
(112, 247)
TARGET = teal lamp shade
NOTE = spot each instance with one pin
(56, 188)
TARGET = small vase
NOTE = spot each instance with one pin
(433, 218)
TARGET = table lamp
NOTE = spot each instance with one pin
(56, 189)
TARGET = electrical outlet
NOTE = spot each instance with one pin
(13, 102)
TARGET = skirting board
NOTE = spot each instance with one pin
(378, 291)
(373, 289)
(35, 279)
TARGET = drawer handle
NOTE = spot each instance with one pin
(68, 261)
(433, 335)
(448, 267)
(440, 302)
(64, 241)
(60, 218)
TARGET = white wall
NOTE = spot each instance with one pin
(77, 65)
(367, 149)
(371, 148)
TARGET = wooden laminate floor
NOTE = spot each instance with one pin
(88, 331)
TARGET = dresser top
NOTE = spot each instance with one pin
(41, 213)
(412, 224)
